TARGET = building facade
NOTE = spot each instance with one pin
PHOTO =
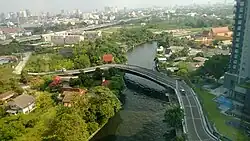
(239, 65)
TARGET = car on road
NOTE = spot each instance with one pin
(182, 91)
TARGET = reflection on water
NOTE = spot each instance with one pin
(141, 118)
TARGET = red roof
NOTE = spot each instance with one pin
(107, 58)
(56, 81)
(220, 30)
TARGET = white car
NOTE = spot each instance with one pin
(182, 91)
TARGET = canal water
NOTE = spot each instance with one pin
(141, 118)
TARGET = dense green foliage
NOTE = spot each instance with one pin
(8, 81)
(13, 47)
(173, 116)
(215, 67)
(49, 122)
(113, 77)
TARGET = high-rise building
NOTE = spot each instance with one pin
(28, 13)
(237, 79)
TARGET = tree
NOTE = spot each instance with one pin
(98, 74)
(24, 77)
(74, 82)
(81, 61)
(215, 42)
(85, 79)
(67, 127)
(174, 116)
(216, 66)
(44, 101)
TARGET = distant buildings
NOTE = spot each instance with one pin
(66, 39)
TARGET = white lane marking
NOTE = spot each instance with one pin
(194, 98)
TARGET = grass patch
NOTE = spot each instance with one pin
(111, 29)
(217, 118)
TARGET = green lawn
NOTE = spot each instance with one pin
(111, 29)
(217, 118)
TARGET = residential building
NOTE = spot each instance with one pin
(168, 53)
(199, 61)
(66, 39)
(69, 95)
(6, 96)
(21, 104)
(90, 35)
(108, 58)
(160, 49)
(221, 31)
(239, 66)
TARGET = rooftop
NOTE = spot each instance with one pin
(220, 29)
(6, 95)
(200, 59)
(23, 101)
(107, 58)
(69, 96)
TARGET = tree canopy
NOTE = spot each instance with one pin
(174, 116)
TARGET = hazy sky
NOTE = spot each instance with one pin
(85, 5)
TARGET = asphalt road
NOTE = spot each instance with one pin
(194, 122)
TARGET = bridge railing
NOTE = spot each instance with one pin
(184, 125)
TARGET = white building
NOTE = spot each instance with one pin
(21, 104)
(160, 49)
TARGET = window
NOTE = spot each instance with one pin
(235, 61)
(238, 34)
(242, 3)
(236, 51)
(234, 66)
(240, 16)
(237, 45)
(239, 28)
(241, 9)
(239, 22)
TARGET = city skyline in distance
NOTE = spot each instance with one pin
(86, 5)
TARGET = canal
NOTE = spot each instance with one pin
(141, 118)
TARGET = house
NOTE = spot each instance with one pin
(200, 59)
(204, 40)
(206, 33)
(160, 49)
(108, 58)
(66, 39)
(91, 35)
(168, 53)
(221, 31)
(70, 93)
(21, 104)
(6, 96)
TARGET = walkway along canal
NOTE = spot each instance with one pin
(144, 104)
